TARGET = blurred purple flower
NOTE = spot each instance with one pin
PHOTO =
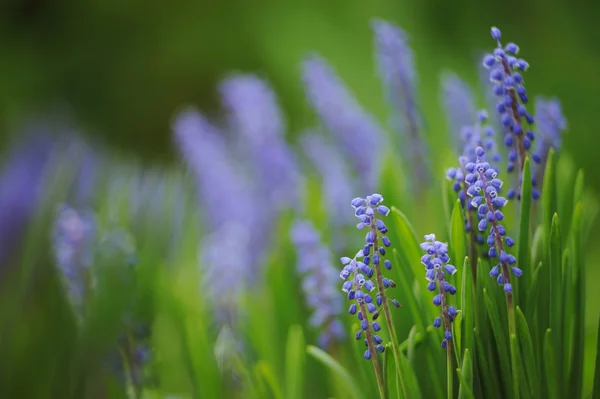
(356, 131)
(337, 185)
(256, 116)
(21, 187)
(396, 68)
(319, 282)
(459, 103)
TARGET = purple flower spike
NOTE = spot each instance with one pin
(396, 68)
(319, 282)
(435, 261)
(351, 126)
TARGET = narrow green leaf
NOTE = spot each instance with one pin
(518, 372)
(457, 233)
(337, 369)
(269, 377)
(556, 291)
(549, 203)
(408, 246)
(569, 316)
(412, 342)
(467, 308)
(596, 387)
(579, 187)
(295, 360)
(491, 387)
(533, 294)
(553, 390)
(390, 374)
(465, 375)
(524, 234)
(501, 338)
(579, 281)
(410, 379)
(528, 354)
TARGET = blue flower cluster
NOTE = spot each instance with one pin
(484, 187)
(318, 283)
(359, 275)
(478, 135)
(436, 263)
(505, 73)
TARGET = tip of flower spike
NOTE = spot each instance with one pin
(496, 34)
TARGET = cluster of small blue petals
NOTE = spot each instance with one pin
(395, 62)
(484, 186)
(458, 101)
(360, 273)
(341, 114)
(319, 282)
(478, 135)
(505, 73)
(336, 181)
(436, 264)
(551, 124)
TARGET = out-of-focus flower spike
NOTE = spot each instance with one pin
(353, 128)
(320, 281)
(551, 125)
(337, 184)
(396, 68)
(256, 116)
(458, 101)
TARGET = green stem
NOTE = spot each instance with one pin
(449, 370)
(386, 310)
(378, 374)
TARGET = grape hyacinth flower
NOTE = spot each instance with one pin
(458, 101)
(396, 68)
(551, 124)
(353, 128)
(319, 282)
(336, 181)
(436, 263)
(478, 135)
(367, 279)
(483, 188)
(73, 244)
(505, 73)
(256, 116)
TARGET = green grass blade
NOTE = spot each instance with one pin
(391, 376)
(410, 378)
(467, 309)
(457, 234)
(552, 387)
(528, 354)
(409, 252)
(338, 370)
(295, 359)
(579, 281)
(596, 387)
(465, 375)
(524, 252)
(266, 372)
(549, 203)
(518, 372)
(501, 338)
(556, 291)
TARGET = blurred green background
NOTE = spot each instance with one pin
(120, 70)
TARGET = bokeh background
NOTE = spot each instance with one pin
(119, 70)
